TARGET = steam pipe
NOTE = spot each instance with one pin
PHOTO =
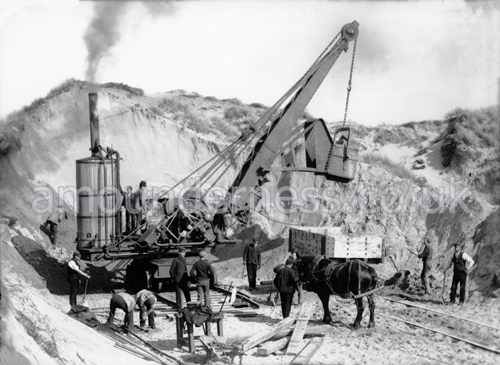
(94, 124)
(118, 230)
(95, 147)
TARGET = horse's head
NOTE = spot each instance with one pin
(304, 268)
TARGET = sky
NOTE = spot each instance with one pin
(414, 60)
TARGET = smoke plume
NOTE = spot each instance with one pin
(103, 31)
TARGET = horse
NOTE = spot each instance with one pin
(349, 280)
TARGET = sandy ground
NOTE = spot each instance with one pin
(390, 342)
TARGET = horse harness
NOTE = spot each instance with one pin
(328, 273)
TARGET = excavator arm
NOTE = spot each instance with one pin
(282, 125)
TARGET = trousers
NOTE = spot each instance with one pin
(459, 277)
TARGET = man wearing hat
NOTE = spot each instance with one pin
(461, 265)
(251, 258)
(286, 283)
(73, 270)
(202, 271)
(179, 275)
(137, 208)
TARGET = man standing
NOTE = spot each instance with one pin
(295, 256)
(251, 258)
(201, 272)
(137, 208)
(426, 256)
(461, 265)
(146, 301)
(126, 303)
(286, 283)
(127, 203)
(73, 270)
(178, 273)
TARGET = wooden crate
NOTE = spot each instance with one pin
(334, 245)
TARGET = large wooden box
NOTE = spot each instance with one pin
(331, 243)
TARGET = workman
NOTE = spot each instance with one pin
(295, 256)
(126, 303)
(426, 256)
(252, 259)
(179, 275)
(138, 199)
(146, 301)
(462, 264)
(73, 270)
(286, 283)
(202, 271)
(127, 203)
(52, 221)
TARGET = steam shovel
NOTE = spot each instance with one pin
(84, 301)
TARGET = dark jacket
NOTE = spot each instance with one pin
(202, 270)
(178, 269)
(251, 254)
(286, 280)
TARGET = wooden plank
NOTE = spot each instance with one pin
(311, 331)
(264, 336)
(272, 346)
(308, 352)
(300, 329)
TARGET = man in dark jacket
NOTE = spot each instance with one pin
(295, 256)
(73, 270)
(461, 263)
(178, 273)
(251, 258)
(286, 283)
(426, 256)
(202, 271)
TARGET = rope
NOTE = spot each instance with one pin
(349, 85)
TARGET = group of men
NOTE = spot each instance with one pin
(461, 262)
(286, 280)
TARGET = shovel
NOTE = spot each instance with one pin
(84, 301)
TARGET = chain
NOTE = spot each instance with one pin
(350, 82)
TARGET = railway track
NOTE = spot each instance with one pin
(477, 334)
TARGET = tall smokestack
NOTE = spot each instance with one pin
(94, 124)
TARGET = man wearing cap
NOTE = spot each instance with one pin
(126, 303)
(251, 258)
(73, 270)
(286, 283)
(461, 265)
(179, 275)
(137, 208)
(201, 272)
(426, 256)
(146, 301)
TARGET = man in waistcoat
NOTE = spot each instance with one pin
(461, 263)
(73, 270)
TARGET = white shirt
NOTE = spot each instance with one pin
(469, 262)
(72, 264)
